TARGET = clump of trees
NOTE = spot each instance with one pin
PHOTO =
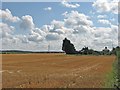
(87, 51)
(69, 48)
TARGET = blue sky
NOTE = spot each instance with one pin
(44, 13)
(41, 17)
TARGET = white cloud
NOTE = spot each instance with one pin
(35, 34)
(106, 6)
(76, 26)
(65, 13)
(105, 22)
(119, 35)
(46, 28)
(27, 22)
(56, 27)
(105, 36)
(22, 38)
(101, 16)
(101, 32)
(57, 24)
(48, 9)
(69, 5)
(58, 31)
(8, 38)
(113, 19)
(53, 36)
(7, 15)
(35, 37)
(39, 31)
(6, 30)
(81, 29)
(74, 18)
(114, 29)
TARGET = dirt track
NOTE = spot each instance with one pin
(55, 70)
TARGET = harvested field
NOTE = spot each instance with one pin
(55, 70)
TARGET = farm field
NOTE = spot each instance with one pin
(55, 70)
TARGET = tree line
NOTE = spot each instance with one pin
(69, 48)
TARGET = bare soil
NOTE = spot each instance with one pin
(54, 70)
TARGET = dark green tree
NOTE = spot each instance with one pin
(68, 47)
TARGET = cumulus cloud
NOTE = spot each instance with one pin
(59, 31)
(102, 32)
(81, 29)
(101, 16)
(53, 36)
(36, 35)
(39, 31)
(76, 26)
(55, 27)
(57, 24)
(46, 28)
(118, 34)
(74, 18)
(106, 6)
(7, 15)
(74, 23)
(105, 22)
(114, 29)
(22, 39)
(8, 37)
(79, 23)
(48, 9)
(105, 36)
(65, 13)
(27, 22)
(69, 5)
(6, 30)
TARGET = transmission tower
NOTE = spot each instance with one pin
(48, 47)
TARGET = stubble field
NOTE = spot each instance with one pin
(54, 71)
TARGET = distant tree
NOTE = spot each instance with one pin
(90, 51)
(68, 47)
(85, 51)
(113, 51)
(117, 49)
(106, 51)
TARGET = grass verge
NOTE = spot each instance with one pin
(113, 80)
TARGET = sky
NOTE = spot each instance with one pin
(37, 25)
